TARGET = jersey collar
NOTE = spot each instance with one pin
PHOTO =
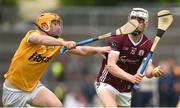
(137, 43)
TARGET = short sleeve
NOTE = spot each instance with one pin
(33, 32)
(115, 43)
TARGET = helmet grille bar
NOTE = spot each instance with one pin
(139, 11)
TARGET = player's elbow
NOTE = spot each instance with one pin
(110, 66)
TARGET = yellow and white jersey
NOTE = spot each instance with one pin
(29, 63)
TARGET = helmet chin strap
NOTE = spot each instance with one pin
(136, 33)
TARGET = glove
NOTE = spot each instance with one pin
(158, 71)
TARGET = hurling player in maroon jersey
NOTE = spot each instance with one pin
(118, 72)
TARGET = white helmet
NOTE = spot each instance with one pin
(141, 13)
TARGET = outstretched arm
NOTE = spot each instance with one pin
(50, 41)
(88, 50)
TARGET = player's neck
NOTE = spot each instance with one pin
(135, 38)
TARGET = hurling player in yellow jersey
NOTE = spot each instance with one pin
(34, 54)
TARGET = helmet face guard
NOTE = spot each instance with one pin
(141, 13)
(48, 18)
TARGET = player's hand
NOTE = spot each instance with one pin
(158, 71)
(70, 44)
(104, 50)
(137, 78)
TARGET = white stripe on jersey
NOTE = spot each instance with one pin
(104, 74)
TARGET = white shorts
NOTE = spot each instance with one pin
(18, 98)
(122, 99)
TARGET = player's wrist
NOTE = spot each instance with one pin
(63, 42)
(131, 79)
(98, 49)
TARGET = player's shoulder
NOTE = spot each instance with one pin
(116, 40)
(29, 33)
(118, 37)
(145, 38)
(34, 32)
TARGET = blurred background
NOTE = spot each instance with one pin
(72, 78)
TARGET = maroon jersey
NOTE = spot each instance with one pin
(130, 58)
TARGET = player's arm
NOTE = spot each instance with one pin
(148, 71)
(115, 70)
(152, 71)
(89, 50)
(50, 41)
